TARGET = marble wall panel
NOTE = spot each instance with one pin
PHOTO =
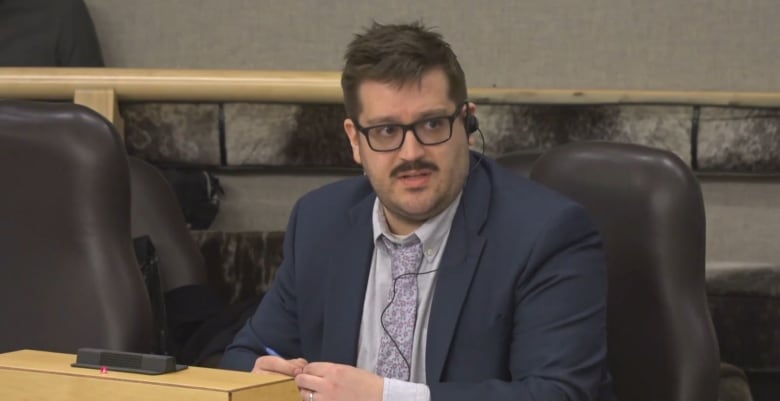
(513, 128)
(739, 140)
(240, 264)
(302, 135)
(173, 132)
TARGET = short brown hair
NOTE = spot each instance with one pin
(398, 54)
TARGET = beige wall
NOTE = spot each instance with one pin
(633, 44)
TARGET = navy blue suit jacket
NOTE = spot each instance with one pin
(519, 308)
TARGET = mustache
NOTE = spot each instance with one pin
(413, 165)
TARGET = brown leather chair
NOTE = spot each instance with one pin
(190, 303)
(648, 207)
(520, 161)
(155, 212)
(68, 274)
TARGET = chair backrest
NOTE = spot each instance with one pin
(68, 274)
(648, 206)
(520, 161)
(155, 212)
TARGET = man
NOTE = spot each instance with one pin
(505, 296)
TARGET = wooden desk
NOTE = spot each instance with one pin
(39, 375)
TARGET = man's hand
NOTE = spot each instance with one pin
(334, 382)
(275, 364)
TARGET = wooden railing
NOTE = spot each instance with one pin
(102, 88)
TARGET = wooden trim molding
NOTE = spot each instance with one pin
(308, 87)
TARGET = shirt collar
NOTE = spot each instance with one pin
(431, 234)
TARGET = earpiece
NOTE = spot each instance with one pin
(472, 124)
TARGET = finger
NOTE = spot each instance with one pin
(318, 368)
(299, 364)
(275, 364)
(310, 382)
(306, 395)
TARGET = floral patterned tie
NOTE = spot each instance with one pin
(398, 320)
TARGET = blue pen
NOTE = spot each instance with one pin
(270, 351)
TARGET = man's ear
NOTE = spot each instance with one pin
(354, 139)
(472, 140)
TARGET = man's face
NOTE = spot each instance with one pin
(416, 181)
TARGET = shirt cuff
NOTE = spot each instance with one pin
(398, 390)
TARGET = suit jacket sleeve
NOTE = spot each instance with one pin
(558, 346)
(274, 323)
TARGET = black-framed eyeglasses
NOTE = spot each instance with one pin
(428, 131)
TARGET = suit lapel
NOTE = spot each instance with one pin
(349, 267)
(456, 270)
